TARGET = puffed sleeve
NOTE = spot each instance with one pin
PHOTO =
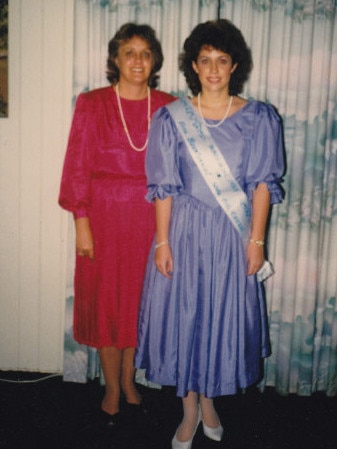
(74, 193)
(266, 160)
(162, 164)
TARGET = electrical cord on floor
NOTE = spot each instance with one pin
(30, 381)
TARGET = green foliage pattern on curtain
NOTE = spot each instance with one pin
(294, 47)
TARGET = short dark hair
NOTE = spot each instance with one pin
(222, 35)
(124, 34)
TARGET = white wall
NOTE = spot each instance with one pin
(33, 228)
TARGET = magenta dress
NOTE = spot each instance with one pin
(104, 179)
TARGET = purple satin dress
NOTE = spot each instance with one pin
(206, 329)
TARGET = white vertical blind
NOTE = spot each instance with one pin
(32, 145)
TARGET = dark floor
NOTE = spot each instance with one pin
(52, 414)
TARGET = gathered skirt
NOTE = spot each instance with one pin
(206, 329)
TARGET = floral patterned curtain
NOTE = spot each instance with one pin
(294, 47)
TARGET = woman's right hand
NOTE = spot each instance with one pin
(84, 238)
(164, 261)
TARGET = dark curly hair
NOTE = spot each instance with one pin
(124, 34)
(222, 35)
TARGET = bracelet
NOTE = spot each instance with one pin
(257, 242)
(158, 245)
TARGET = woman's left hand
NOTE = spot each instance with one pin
(255, 258)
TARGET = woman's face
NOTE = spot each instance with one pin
(214, 69)
(134, 61)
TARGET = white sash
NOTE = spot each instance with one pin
(215, 171)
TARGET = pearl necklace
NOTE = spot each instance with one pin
(223, 118)
(124, 122)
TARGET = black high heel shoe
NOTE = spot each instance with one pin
(140, 419)
(110, 421)
(135, 409)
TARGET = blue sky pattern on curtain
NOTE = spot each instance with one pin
(294, 47)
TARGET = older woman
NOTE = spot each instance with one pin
(104, 186)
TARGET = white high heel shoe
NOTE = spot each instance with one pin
(214, 433)
(176, 444)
